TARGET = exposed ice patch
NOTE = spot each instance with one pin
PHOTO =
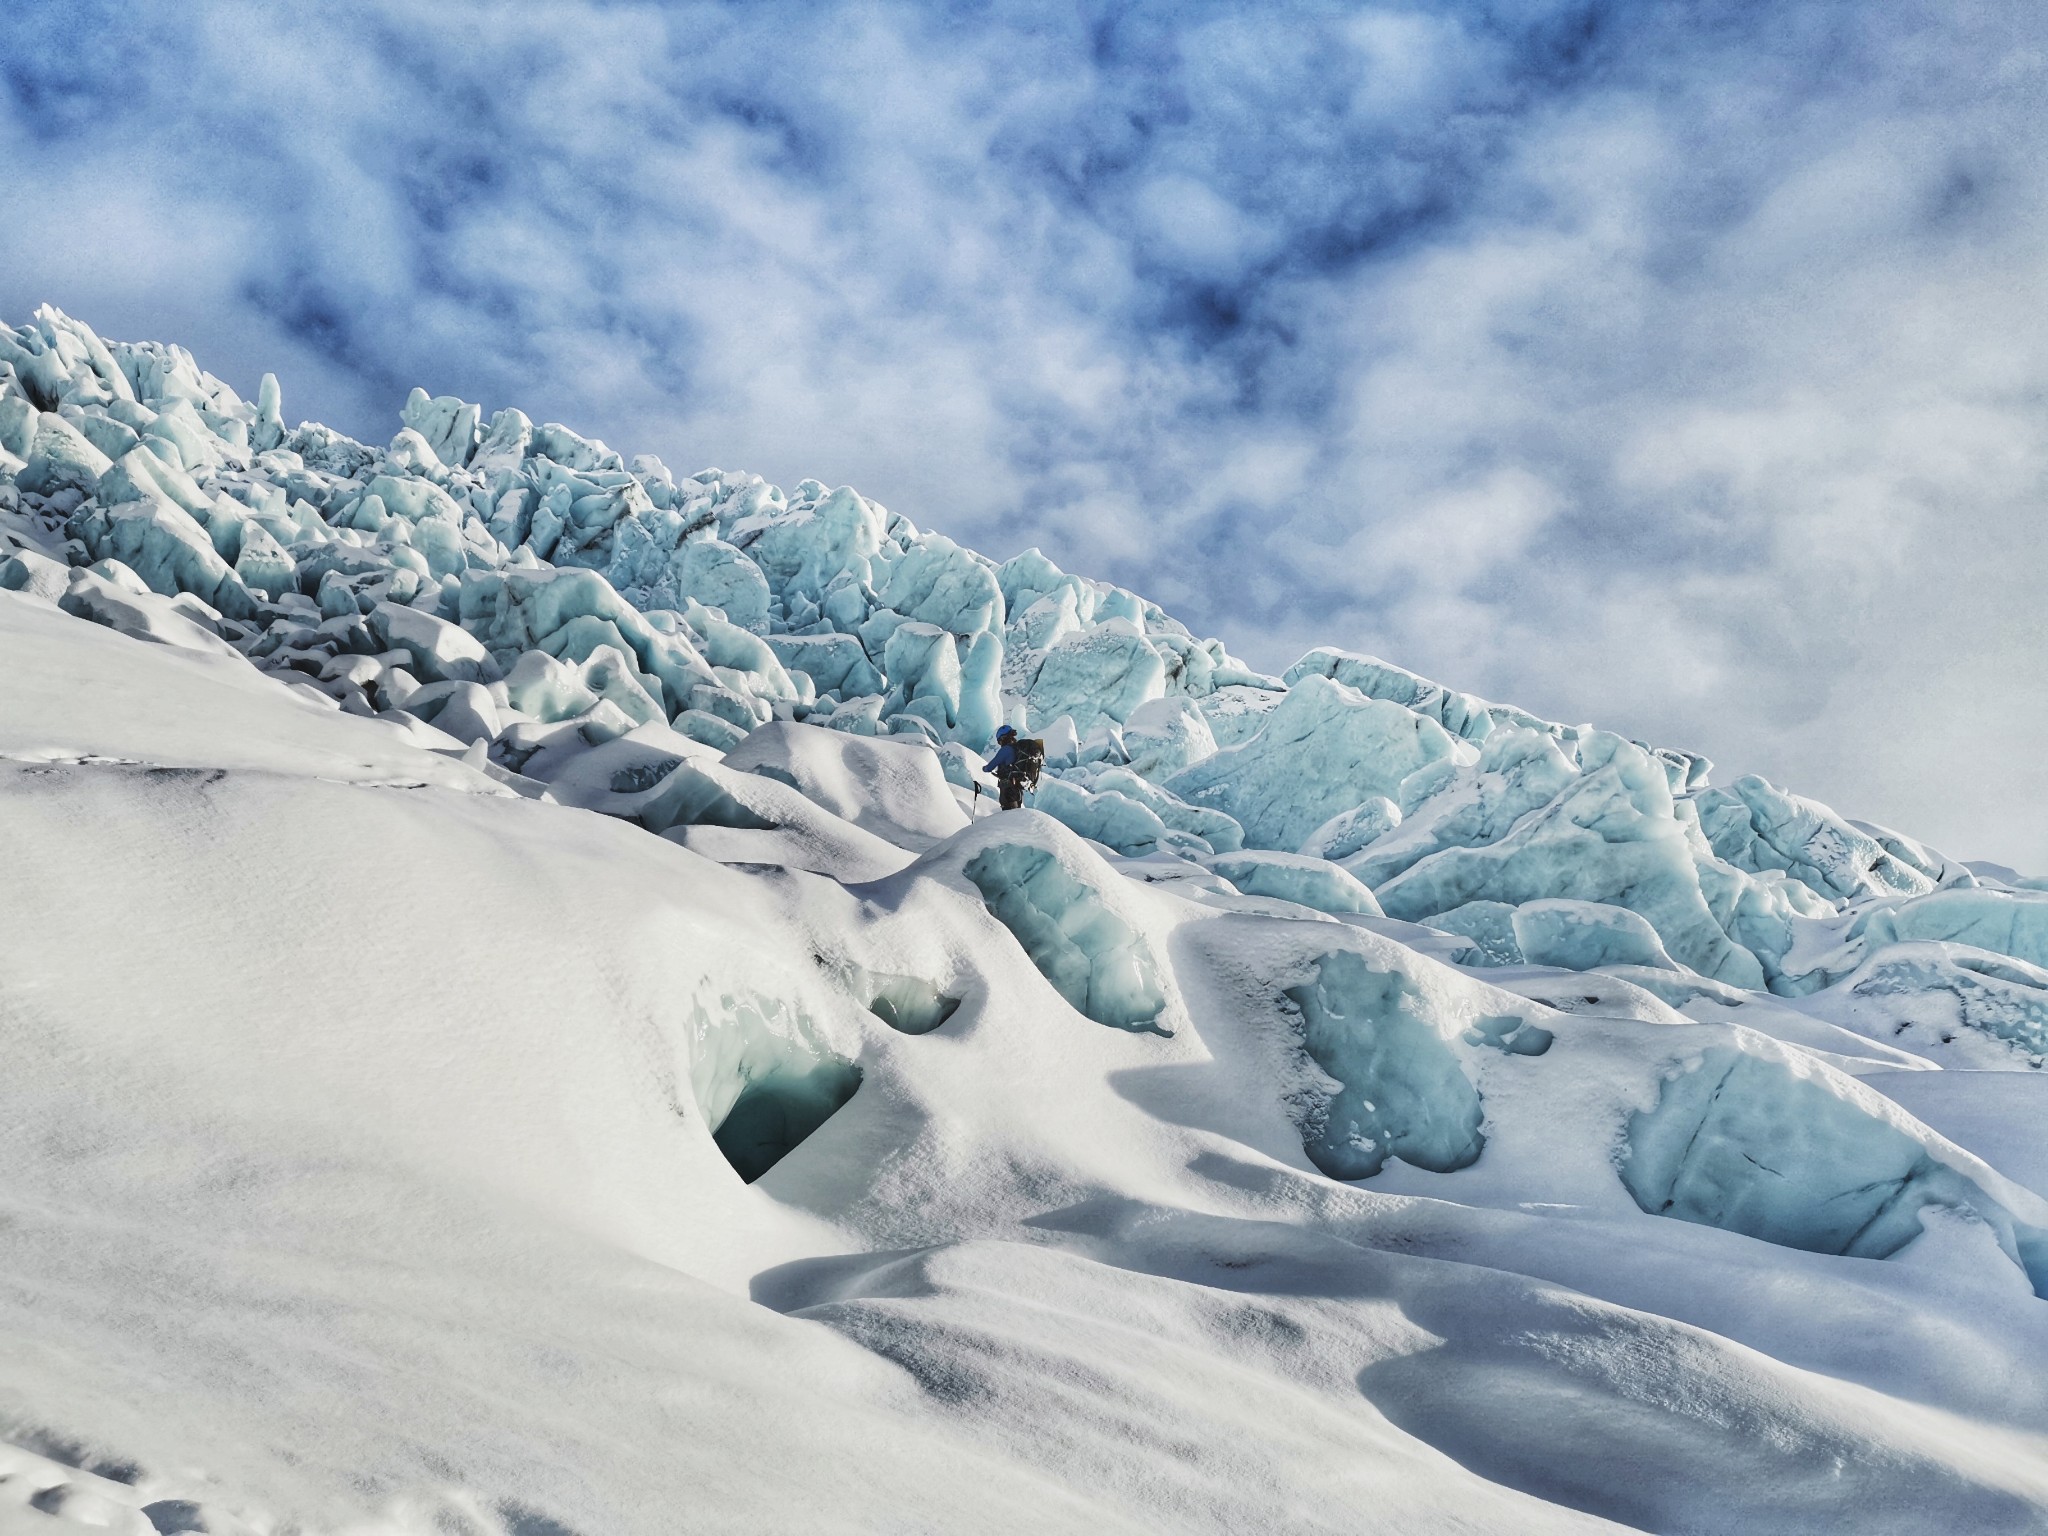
(1093, 958)
(1400, 1090)
(1749, 1144)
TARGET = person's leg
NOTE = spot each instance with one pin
(1013, 794)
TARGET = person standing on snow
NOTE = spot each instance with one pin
(1015, 766)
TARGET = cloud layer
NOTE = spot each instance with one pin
(1682, 368)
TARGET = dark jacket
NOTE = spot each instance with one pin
(1003, 761)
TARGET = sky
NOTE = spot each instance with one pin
(1678, 367)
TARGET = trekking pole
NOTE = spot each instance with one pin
(975, 814)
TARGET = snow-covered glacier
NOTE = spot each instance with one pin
(520, 1017)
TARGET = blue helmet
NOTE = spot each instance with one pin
(1007, 733)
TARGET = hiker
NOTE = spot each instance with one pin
(1015, 766)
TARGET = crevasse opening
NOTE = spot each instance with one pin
(763, 1079)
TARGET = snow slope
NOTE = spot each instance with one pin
(513, 1024)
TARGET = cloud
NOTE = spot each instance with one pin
(1676, 367)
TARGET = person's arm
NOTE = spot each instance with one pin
(1006, 754)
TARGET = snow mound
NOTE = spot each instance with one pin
(891, 788)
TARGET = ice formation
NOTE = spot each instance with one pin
(496, 819)
(1758, 1146)
(1069, 926)
(1401, 1092)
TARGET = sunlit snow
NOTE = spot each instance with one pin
(521, 1016)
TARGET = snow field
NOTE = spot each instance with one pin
(516, 1022)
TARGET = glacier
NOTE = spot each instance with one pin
(522, 1017)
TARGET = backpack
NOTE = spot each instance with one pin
(1030, 759)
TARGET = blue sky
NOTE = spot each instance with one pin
(1679, 367)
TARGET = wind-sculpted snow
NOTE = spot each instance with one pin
(561, 901)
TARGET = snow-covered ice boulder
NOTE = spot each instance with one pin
(719, 576)
(1323, 749)
(548, 690)
(1218, 831)
(804, 545)
(440, 651)
(1115, 820)
(1490, 925)
(1348, 832)
(1977, 1009)
(131, 609)
(1784, 1150)
(1756, 826)
(894, 789)
(35, 575)
(1583, 935)
(2011, 923)
(447, 426)
(937, 582)
(1459, 713)
(1099, 674)
(170, 551)
(1460, 805)
(836, 664)
(1307, 882)
(1163, 736)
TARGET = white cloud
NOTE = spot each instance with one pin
(1678, 368)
